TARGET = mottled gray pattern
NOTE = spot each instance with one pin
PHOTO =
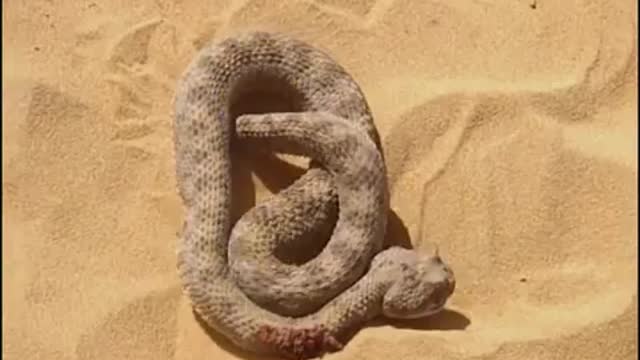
(232, 276)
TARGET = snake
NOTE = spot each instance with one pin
(231, 272)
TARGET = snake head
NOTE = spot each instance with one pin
(420, 285)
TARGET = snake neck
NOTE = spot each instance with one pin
(358, 304)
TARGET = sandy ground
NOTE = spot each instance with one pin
(510, 133)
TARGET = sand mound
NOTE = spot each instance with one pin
(510, 135)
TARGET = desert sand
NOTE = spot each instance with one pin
(509, 129)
